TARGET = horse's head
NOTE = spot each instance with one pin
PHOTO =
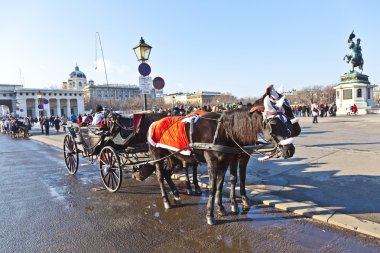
(280, 127)
(294, 127)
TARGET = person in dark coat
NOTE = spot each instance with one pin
(41, 120)
(57, 123)
(51, 120)
(46, 124)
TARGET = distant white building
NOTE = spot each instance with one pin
(104, 92)
(111, 91)
(199, 98)
(37, 102)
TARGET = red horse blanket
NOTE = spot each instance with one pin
(169, 133)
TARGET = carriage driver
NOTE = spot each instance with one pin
(101, 116)
(270, 99)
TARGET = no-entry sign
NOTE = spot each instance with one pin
(144, 69)
(158, 83)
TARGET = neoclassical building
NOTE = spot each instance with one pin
(112, 91)
(37, 102)
(199, 98)
(104, 92)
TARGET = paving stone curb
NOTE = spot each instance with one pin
(308, 210)
(305, 209)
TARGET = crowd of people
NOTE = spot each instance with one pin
(99, 116)
(315, 111)
(323, 110)
(182, 110)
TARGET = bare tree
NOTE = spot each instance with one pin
(329, 94)
(129, 105)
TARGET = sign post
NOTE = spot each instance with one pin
(145, 84)
(142, 51)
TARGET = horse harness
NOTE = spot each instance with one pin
(248, 150)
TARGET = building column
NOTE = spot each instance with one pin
(47, 108)
(68, 108)
(80, 105)
(36, 108)
(58, 107)
(23, 106)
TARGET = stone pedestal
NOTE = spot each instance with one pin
(354, 88)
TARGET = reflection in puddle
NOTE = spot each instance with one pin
(310, 237)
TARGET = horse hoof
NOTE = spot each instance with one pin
(246, 209)
(189, 192)
(234, 209)
(221, 212)
(167, 205)
(178, 201)
(210, 220)
(246, 202)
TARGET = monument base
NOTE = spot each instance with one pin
(354, 88)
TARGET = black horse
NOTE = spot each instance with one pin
(292, 128)
(236, 128)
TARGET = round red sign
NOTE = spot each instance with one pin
(144, 69)
(158, 83)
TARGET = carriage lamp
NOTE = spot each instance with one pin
(142, 50)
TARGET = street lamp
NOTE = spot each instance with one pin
(142, 51)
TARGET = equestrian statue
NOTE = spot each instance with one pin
(355, 54)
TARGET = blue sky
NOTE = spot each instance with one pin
(230, 46)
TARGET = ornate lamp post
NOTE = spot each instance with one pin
(142, 51)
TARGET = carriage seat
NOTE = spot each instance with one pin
(97, 130)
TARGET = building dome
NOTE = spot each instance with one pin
(77, 73)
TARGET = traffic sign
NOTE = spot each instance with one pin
(158, 83)
(144, 69)
(145, 84)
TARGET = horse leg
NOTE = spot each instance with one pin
(233, 176)
(221, 211)
(160, 178)
(198, 190)
(172, 186)
(210, 203)
(189, 191)
(243, 162)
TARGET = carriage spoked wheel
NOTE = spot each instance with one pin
(71, 154)
(110, 170)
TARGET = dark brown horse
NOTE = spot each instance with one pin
(238, 127)
(242, 160)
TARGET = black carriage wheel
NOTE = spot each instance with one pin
(110, 169)
(71, 154)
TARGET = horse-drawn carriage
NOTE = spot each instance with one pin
(121, 144)
(220, 140)
(18, 129)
